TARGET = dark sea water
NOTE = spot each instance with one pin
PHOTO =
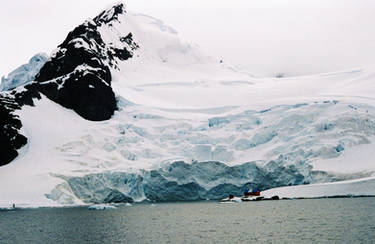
(345, 220)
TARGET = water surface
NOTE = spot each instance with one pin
(309, 221)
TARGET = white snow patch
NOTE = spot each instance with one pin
(356, 159)
(30, 176)
(360, 187)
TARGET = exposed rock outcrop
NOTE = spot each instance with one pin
(10, 137)
(78, 75)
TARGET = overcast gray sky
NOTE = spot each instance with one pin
(265, 37)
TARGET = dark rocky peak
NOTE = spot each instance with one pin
(78, 76)
(110, 15)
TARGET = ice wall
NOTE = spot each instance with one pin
(24, 74)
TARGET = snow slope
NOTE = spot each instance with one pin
(359, 187)
(176, 104)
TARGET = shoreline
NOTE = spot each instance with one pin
(115, 205)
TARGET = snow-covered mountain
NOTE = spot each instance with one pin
(123, 110)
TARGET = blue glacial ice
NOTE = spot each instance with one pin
(235, 152)
(24, 74)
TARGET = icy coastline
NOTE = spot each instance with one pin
(187, 127)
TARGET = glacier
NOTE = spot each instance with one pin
(284, 143)
(182, 181)
(25, 73)
(185, 126)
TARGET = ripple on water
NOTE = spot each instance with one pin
(303, 221)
